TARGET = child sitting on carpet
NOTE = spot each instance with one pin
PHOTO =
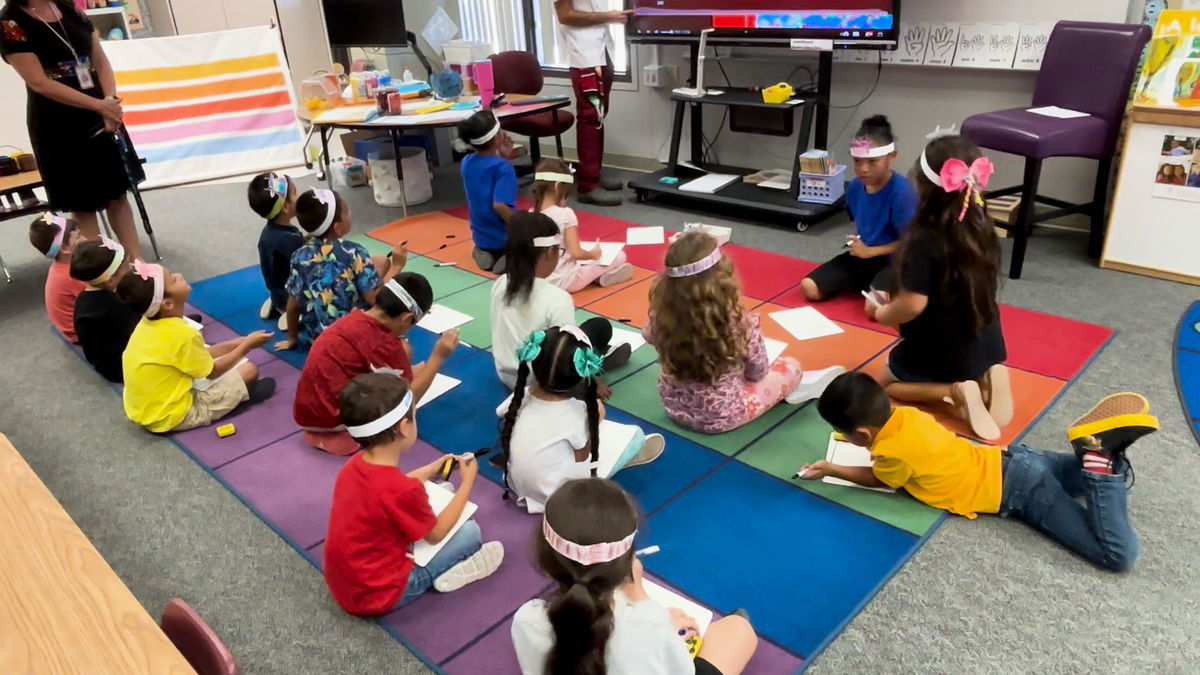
(524, 302)
(379, 511)
(912, 451)
(551, 187)
(55, 237)
(173, 382)
(549, 436)
(273, 197)
(715, 374)
(881, 203)
(491, 185)
(599, 618)
(102, 322)
(363, 342)
(330, 276)
(952, 346)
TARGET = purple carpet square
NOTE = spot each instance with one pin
(217, 332)
(440, 624)
(317, 555)
(291, 485)
(205, 317)
(494, 655)
(257, 425)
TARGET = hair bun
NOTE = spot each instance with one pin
(879, 122)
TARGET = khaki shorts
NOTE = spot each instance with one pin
(218, 400)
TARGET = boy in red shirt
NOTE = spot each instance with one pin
(55, 237)
(379, 511)
(363, 342)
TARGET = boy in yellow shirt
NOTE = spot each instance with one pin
(173, 381)
(911, 450)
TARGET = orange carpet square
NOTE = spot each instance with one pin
(852, 349)
(593, 293)
(425, 233)
(632, 305)
(461, 255)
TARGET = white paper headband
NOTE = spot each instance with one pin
(691, 269)
(118, 258)
(553, 177)
(862, 149)
(405, 297)
(932, 175)
(386, 422)
(155, 273)
(60, 223)
(329, 199)
(547, 242)
(483, 140)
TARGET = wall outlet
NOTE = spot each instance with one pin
(658, 76)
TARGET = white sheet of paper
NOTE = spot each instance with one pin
(441, 319)
(627, 337)
(614, 438)
(637, 236)
(193, 323)
(350, 113)
(806, 323)
(439, 499)
(440, 385)
(774, 348)
(1060, 113)
(848, 454)
(709, 184)
(608, 252)
(670, 599)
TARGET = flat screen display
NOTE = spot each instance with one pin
(859, 23)
(365, 23)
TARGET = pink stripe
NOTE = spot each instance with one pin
(182, 132)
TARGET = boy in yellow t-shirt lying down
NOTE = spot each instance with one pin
(911, 450)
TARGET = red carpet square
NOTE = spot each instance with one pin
(1048, 344)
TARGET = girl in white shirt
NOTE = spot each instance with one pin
(551, 187)
(599, 620)
(549, 436)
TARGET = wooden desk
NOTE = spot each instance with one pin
(62, 609)
(11, 205)
(21, 181)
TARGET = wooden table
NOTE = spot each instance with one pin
(62, 609)
(11, 205)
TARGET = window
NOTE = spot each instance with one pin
(514, 24)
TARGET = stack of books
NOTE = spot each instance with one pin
(818, 161)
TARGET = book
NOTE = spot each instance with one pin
(847, 454)
(440, 385)
(672, 600)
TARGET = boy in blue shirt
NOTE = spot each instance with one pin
(491, 186)
(273, 197)
(881, 202)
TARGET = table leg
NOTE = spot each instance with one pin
(325, 131)
(5, 268)
(806, 120)
(698, 134)
(676, 138)
(396, 135)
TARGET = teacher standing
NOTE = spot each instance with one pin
(583, 27)
(73, 112)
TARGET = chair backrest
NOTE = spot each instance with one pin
(517, 73)
(198, 643)
(1089, 67)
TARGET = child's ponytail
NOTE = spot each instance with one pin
(510, 418)
(582, 620)
(593, 421)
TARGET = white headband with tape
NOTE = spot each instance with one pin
(386, 422)
(409, 301)
(329, 199)
(547, 242)
(118, 258)
(554, 177)
(865, 151)
(484, 139)
(933, 176)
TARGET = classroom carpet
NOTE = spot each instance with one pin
(735, 531)
(1187, 366)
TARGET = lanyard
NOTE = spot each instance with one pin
(62, 39)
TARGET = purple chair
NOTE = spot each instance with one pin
(198, 643)
(1088, 67)
(520, 73)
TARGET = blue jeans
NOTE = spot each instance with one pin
(1042, 488)
(462, 545)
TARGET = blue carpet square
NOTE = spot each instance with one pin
(237, 292)
(1189, 382)
(680, 464)
(464, 419)
(1189, 336)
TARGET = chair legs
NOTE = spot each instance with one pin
(558, 145)
(535, 151)
(1100, 208)
(1024, 225)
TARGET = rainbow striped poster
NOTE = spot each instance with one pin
(208, 106)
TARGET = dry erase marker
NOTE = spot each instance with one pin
(871, 297)
(799, 474)
(850, 241)
(649, 550)
(446, 264)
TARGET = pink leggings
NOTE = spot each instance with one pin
(586, 275)
(759, 397)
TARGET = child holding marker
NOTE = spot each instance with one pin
(329, 275)
(491, 185)
(363, 342)
(102, 322)
(551, 187)
(599, 618)
(911, 450)
(56, 237)
(549, 436)
(273, 197)
(881, 203)
(379, 511)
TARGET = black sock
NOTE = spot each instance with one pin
(261, 389)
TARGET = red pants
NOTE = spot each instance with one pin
(589, 126)
(334, 442)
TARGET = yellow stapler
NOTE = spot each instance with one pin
(780, 93)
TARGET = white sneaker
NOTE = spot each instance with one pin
(813, 384)
(651, 450)
(282, 324)
(478, 565)
(617, 275)
(264, 312)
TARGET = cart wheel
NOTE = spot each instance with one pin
(802, 227)
(641, 196)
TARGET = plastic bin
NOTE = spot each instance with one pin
(418, 181)
(822, 188)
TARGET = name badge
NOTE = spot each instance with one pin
(83, 73)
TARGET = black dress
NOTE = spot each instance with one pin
(82, 169)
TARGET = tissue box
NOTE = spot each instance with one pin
(721, 234)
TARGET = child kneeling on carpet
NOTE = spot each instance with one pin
(56, 237)
(952, 346)
(551, 187)
(599, 618)
(273, 197)
(379, 511)
(523, 301)
(491, 186)
(363, 342)
(715, 374)
(173, 381)
(549, 436)
(331, 276)
(102, 322)
(911, 450)
(881, 203)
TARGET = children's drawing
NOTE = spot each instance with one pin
(1002, 44)
(943, 38)
(972, 45)
(1031, 47)
(914, 40)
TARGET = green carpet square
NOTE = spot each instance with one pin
(639, 359)
(445, 280)
(373, 245)
(804, 438)
(638, 395)
(476, 301)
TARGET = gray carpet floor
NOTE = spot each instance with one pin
(984, 596)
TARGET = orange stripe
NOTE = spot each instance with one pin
(219, 88)
(196, 71)
(231, 105)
